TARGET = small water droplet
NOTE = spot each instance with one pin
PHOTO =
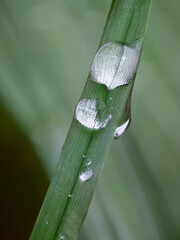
(115, 64)
(70, 195)
(84, 176)
(84, 156)
(61, 236)
(110, 98)
(121, 129)
(47, 223)
(89, 163)
(92, 113)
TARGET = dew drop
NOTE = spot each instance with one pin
(70, 195)
(89, 163)
(121, 129)
(125, 120)
(115, 64)
(61, 236)
(92, 113)
(47, 223)
(84, 176)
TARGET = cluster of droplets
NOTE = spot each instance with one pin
(114, 65)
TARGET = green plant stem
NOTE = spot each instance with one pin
(61, 215)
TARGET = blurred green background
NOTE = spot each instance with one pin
(46, 49)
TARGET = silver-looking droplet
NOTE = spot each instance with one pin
(61, 236)
(115, 64)
(89, 163)
(92, 113)
(121, 129)
(86, 175)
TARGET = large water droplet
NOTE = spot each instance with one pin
(84, 176)
(121, 129)
(92, 113)
(115, 64)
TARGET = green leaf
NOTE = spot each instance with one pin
(68, 198)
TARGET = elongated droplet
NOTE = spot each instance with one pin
(125, 119)
(92, 113)
(115, 64)
(121, 129)
(84, 176)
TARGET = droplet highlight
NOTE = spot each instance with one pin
(115, 64)
(86, 175)
(92, 113)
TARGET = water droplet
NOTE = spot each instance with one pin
(47, 223)
(121, 129)
(115, 64)
(92, 113)
(84, 156)
(110, 98)
(84, 176)
(70, 195)
(62, 236)
(89, 163)
(125, 119)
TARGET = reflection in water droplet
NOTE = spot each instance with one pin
(115, 64)
(84, 176)
(70, 195)
(121, 129)
(92, 113)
